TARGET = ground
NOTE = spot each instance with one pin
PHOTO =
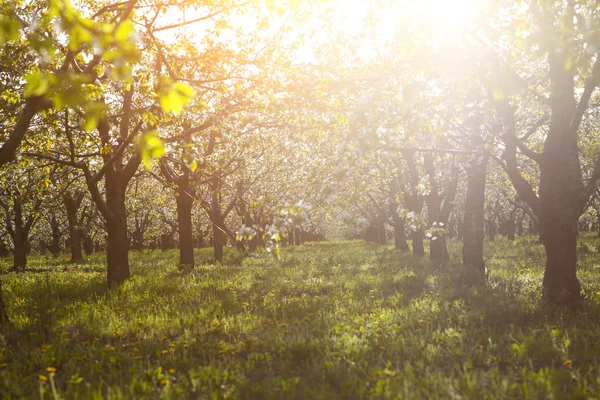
(329, 320)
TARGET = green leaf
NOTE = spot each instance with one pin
(123, 31)
(150, 148)
(91, 122)
(37, 84)
(177, 96)
(9, 30)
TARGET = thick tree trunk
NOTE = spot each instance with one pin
(418, 248)
(20, 251)
(186, 235)
(117, 242)
(72, 205)
(399, 234)
(473, 233)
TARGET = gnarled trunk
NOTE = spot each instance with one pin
(186, 236)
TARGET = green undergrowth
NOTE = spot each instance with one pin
(329, 320)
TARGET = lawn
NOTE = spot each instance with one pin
(329, 320)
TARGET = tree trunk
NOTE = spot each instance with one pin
(117, 242)
(71, 205)
(55, 244)
(417, 243)
(438, 251)
(218, 242)
(88, 244)
(186, 235)
(297, 237)
(20, 239)
(20, 251)
(399, 234)
(473, 232)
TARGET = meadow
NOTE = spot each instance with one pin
(328, 320)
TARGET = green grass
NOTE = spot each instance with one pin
(329, 320)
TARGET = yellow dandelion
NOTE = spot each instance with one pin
(283, 325)
(165, 351)
(568, 363)
(43, 378)
(137, 357)
(186, 346)
(381, 347)
(171, 371)
(3, 365)
(164, 382)
(52, 370)
(172, 345)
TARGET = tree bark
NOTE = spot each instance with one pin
(418, 248)
(399, 234)
(117, 242)
(218, 241)
(20, 238)
(186, 235)
(473, 232)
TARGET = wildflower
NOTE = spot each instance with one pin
(165, 351)
(51, 370)
(137, 357)
(164, 382)
(568, 363)
(172, 345)
(172, 371)
(3, 365)
(186, 346)
(43, 379)
(382, 348)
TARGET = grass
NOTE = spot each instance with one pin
(329, 320)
